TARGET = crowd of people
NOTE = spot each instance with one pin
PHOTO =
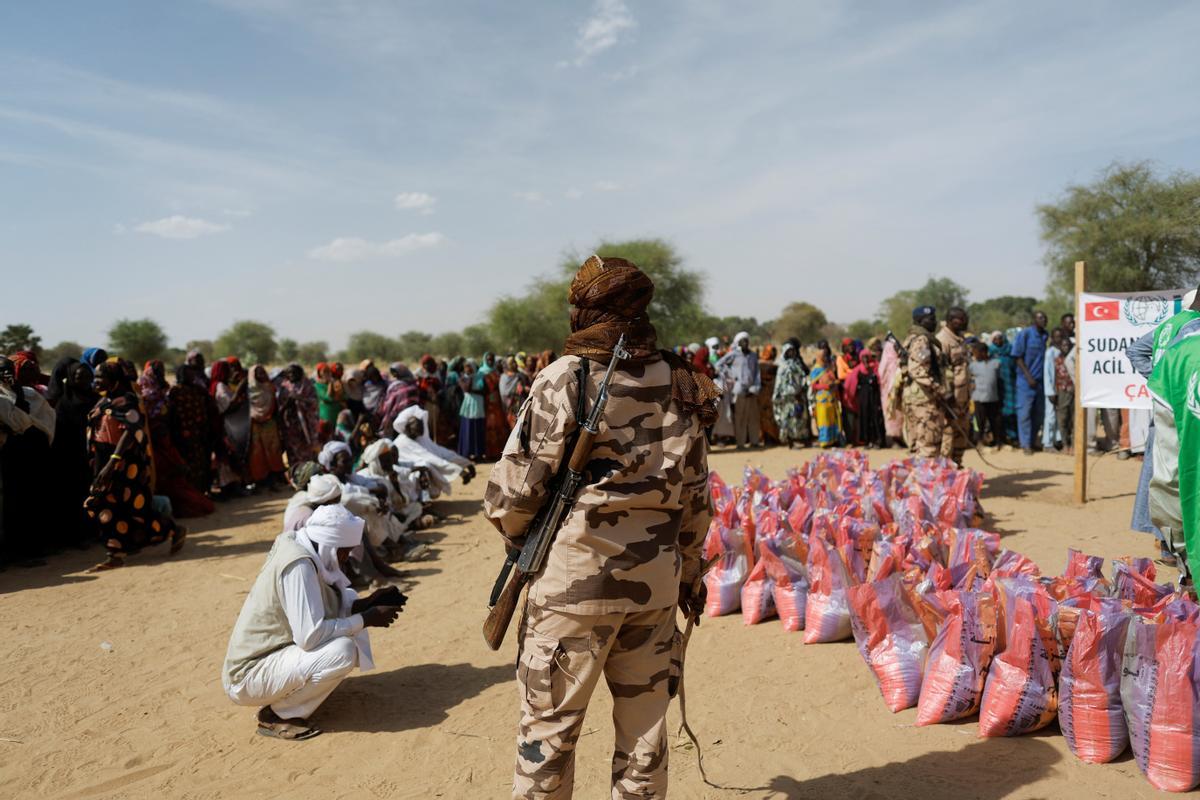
(137, 451)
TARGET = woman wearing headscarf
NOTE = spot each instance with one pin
(230, 390)
(374, 390)
(264, 464)
(545, 359)
(889, 377)
(402, 392)
(94, 357)
(451, 404)
(429, 382)
(27, 425)
(472, 414)
(790, 397)
(195, 426)
(70, 391)
(514, 387)
(330, 398)
(495, 421)
(826, 408)
(1001, 348)
(170, 475)
(120, 499)
(29, 371)
(862, 384)
(767, 369)
(298, 416)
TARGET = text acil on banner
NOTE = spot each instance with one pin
(1108, 325)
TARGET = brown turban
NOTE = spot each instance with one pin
(610, 297)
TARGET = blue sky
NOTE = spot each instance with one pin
(336, 165)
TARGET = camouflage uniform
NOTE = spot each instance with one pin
(959, 378)
(605, 600)
(924, 375)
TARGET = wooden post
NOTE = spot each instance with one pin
(1080, 437)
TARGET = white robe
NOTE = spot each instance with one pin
(444, 465)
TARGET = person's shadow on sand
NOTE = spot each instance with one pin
(987, 770)
(410, 697)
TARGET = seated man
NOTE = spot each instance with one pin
(414, 446)
(405, 482)
(301, 629)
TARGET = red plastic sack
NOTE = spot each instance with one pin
(891, 639)
(1089, 710)
(758, 601)
(724, 581)
(959, 657)
(827, 612)
(1159, 676)
(1138, 587)
(1081, 565)
(1021, 694)
(784, 557)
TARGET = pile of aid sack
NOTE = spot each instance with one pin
(953, 625)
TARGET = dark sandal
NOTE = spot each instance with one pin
(178, 539)
(113, 562)
(287, 731)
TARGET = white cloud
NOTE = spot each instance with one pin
(346, 249)
(415, 201)
(180, 227)
(529, 197)
(607, 186)
(573, 193)
(603, 29)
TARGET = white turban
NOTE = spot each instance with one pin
(410, 413)
(329, 528)
(376, 449)
(741, 335)
(712, 342)
(329, 451)
(323, 489)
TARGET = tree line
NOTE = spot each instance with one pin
(1136, 228)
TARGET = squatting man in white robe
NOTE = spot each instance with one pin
(302, 628)
(415, 449)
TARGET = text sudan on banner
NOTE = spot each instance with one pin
(1108, 324)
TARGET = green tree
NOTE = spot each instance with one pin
(204, 347)
(895, 312)
(1001, 313)
(411, 345)
(863, 329)
(288, 349)
(1135, 229)
(252, 342)
(447, 345)
(19, 337)
(802, 320)
(312, 352)
(138, 340)
(62, 350)
(368, 344)
(476, 340)
(538, 320)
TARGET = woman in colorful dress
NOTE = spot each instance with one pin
(514, 388)
(229, 389)
(472, 428)
(826, 409)
(264, 464)
(170, 473)
(70, 392)
(120, 499)
(790, 397)
(331, 397)
(1001, 348)
(297, 413)
(495, 423)
(194, 423)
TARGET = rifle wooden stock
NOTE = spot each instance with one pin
(583, 450)
(501, 614)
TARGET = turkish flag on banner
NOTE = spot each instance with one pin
(1099, 312)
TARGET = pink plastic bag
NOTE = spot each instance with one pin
(1020, 694)
(959, 657)
(1160, 671)
(827, 612)
(724, 581)
(758, 601)
(1089, 711)
(784, 557)
(891, 639)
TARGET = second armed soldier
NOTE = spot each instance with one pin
(925, 388)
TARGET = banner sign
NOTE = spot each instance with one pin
(1109, 324)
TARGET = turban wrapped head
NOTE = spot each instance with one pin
(330, 450)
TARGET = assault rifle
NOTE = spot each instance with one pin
(507, 590)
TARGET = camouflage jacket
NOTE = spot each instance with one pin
(925, 370)
(959, 361)
(639, 519)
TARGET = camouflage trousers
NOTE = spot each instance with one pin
(926, 430)
(955, 441)
(561, 658)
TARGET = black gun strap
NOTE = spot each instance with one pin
(581, 375)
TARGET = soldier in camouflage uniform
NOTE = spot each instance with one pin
(924, 376)
(958, 359)
(628, 551)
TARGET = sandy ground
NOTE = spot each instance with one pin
(437, 717)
